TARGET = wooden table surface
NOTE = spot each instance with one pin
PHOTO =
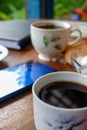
(17, 113)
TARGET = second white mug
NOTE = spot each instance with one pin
(51, 37)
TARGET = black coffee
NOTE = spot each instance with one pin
(50, 26)
(58, 94)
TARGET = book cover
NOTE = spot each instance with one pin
(15, 34)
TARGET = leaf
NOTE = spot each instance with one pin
(53, 40)
(4, 16)
(46, 42)
(79, 123)
(57, 47)
(0, 52)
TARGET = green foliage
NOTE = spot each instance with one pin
(4, 16)
(63, 7)
(16, 13)
(12, 9)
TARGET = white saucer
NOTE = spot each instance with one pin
(3, 52)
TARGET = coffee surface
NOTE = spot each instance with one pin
(64, 94)
(50, 26)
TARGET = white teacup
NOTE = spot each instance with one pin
(49, 117)
(49, 42)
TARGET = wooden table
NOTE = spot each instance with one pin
(17, 113)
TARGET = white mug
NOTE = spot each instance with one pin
(48, 117)
(50, 42)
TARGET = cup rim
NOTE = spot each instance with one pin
(62, 23)
(54, 107)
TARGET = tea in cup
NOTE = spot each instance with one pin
(51, 37)
(60, 101)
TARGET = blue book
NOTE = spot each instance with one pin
(15, 34)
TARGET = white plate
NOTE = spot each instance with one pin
(3, 52)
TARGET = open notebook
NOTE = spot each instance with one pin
(79, 25)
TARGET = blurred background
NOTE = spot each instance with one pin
(12, 9)
(21, 9)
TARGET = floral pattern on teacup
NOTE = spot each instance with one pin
(65, 123)
(0, 51)
(55, 41)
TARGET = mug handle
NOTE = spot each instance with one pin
(78, 38)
